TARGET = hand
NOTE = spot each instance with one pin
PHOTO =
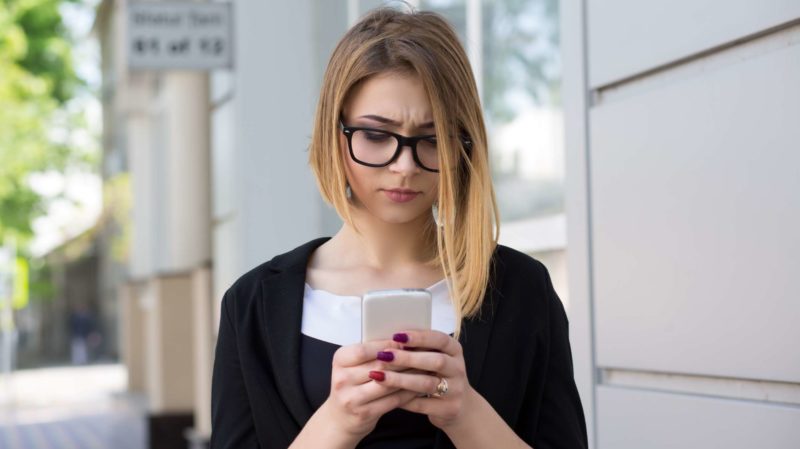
(433, 356)
(356, 401)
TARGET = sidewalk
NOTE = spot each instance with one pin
(70, 407)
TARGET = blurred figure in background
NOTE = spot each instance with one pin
(84, 334)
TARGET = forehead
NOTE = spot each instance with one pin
(400, 97)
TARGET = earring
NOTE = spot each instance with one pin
(435, 212)
(348, 192)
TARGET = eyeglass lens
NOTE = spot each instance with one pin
(375, 147)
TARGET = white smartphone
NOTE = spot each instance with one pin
(386, 312)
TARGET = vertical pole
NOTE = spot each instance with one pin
(7, 331)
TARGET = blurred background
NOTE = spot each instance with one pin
(646, 152)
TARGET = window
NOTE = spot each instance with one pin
(514, 49)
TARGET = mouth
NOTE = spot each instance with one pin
(401, 195)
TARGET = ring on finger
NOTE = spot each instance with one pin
(441, 389)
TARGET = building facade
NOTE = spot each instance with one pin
(640, 150)
(682, 203)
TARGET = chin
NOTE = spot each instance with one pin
(400, 217)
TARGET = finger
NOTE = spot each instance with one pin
(423, 405)
(433, 362)
(360, 394)
(419, 383)
(430, 339)
(357, 354)
(384, 404)
(343, 377)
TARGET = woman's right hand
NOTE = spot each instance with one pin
(357, 400)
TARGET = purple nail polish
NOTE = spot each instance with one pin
(400, 338)
(385, 356)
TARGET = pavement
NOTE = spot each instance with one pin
(84, 407)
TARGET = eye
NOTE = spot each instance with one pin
(376, 136)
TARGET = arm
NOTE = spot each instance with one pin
(551, 416)
(556, 420)
(356, 402)
(462, 413)
(231, 419)
(319, 432)
(341, 422)
(482, 427)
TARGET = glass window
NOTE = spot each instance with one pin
(521, 95)
(520, 81)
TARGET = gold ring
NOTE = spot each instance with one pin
(441, 389)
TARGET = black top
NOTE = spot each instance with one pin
(398, 428)
(258, 399)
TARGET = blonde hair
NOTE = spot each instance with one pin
(422, 43)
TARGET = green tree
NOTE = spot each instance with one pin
(37, 80)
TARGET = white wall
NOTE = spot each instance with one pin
(265, 199)
(684, 200)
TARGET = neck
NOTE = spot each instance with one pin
(384, 246)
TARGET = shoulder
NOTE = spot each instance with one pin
(523, 283)
(247, 287)
(516, 265)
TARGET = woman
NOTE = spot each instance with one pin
(400, 150)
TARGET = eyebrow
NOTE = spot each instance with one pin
(389, 121)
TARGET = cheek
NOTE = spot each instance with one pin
(434, 187)
(346, 159)
(359, 176)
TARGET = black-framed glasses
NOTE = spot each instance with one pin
(378, 148)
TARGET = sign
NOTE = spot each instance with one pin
(179, 35)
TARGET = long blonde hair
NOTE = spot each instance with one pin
(422, 43)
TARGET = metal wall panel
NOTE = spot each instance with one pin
(627, 37)
(636, 419)
(696, 206)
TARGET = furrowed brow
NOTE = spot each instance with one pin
(388, 121)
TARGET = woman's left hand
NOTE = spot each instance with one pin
(435, 368)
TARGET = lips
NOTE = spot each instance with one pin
(401, 195)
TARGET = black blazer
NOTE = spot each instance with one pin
(517, 356)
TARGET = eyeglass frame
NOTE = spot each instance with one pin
(402, 141)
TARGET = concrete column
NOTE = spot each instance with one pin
(168, 336)
(186, 199)
(182, 233)
(132, 342)
(142, 166)
(203, 340)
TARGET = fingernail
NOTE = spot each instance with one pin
(400, 338)
(380, 376)
(385, 356)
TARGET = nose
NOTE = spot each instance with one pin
(405, 161)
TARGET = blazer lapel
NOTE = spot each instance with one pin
(281, 314)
